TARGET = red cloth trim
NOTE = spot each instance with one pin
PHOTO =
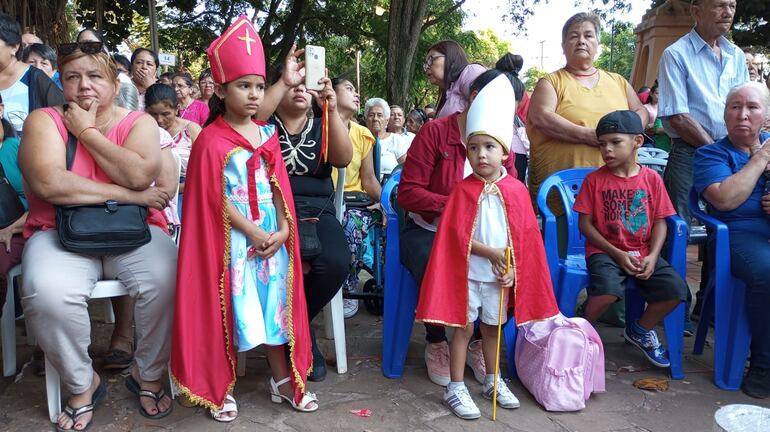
(444, 291)
(202, 349)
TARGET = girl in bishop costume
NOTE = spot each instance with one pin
(239, 276)
(487, 246)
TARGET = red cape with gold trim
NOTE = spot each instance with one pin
(444, 291)
(203, 360)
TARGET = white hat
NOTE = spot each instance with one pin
(492, 112)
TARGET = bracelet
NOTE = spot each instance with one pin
(89, 127)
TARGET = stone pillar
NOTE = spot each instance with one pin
(660, 27)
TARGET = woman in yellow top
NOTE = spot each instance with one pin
(567, 104)
(359, 177)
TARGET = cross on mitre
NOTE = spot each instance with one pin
(248, 41)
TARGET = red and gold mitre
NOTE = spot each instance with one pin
(238, 52)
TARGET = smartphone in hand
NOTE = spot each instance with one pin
(315, 66)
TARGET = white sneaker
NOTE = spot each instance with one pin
(505, 398)
(349, 307)
(437, 362)
(475, 360)
(461, 403)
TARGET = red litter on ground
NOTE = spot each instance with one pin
(364, 412)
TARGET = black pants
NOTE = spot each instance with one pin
(415, 246)
(328, 270)
(521, 163)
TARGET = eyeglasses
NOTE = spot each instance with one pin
(207, 83)
(85, 47)
(429, 61)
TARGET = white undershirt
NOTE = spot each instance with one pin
(491, 229)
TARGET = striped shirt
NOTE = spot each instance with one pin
(692, 79)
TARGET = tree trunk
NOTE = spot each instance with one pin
(404, 27)
(45, 18)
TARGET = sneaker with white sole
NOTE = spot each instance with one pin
(505, 397)
(349, 307)
(461, 403)
(475, 360)
(437, 362)
(650, 345)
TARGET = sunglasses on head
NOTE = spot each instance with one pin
(85, 47)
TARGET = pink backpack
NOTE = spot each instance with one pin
(561, 362)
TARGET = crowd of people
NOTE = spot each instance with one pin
(244, 162)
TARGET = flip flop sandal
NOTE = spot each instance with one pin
(230, 406)
(134, 387)
(74, 413)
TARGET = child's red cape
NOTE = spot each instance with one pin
(203, 361)
(444, 291)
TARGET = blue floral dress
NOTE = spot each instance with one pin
(258, 285)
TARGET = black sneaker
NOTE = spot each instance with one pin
(756, 383)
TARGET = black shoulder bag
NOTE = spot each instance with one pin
(11, 208)
(110, 228)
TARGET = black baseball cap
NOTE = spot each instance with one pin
(625, 122)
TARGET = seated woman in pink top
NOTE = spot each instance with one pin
(447, 67)
(118, 157)
(189, 108)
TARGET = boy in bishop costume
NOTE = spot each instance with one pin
(487, 245)
(239, 276)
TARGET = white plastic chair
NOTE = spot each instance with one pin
(103, 289)
(334, 318)
(8, 326)
(653, 152)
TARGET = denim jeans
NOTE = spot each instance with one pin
(678, 181)
(750, 262)
(678, 176)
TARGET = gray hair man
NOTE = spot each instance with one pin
(694, 76)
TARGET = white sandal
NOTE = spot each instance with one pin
(230, 406)
(277, 397)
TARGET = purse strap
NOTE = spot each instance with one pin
(72, 146)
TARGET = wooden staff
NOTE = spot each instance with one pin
(499, 334)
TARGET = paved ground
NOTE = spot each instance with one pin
(412, 403)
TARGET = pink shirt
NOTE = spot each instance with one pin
(197, 112)
(459, 91)
(41, 213)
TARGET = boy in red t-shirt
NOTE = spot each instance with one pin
(622, 208)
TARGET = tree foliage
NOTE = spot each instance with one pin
(618, 52)
(532, 76)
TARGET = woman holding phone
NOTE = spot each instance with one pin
(287, 104)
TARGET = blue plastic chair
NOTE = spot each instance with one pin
(570, 276)
(401, 297)
(725, 300)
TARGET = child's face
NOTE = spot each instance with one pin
(486, 156)
(244, 95)
(619, 149)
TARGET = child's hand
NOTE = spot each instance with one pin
(273, 243)
(497, 258)
(258, 237)
(648, 266)
(506, 280)
(629, 264)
